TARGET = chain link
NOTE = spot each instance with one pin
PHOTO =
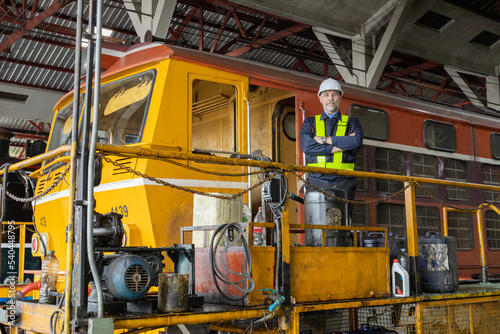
(350, 201)
(45, 192)
(207, 171)
(437, 200)
(272, 175)
(167, 184)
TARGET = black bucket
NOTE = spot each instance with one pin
(438, 263)
(322, 210)
(374, 239)
(395, 244)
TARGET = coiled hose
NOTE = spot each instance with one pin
(216, 271)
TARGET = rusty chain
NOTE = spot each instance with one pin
(150, 178)
(349, 201)
(437, 200)
(45, 192)
(207, 171)
(272, 175)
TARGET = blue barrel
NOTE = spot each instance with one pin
(438, 263)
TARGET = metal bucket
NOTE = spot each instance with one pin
(173, 292)
(322, 210)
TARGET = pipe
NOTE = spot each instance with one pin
(25, 290)
(164, 320)
(105, 232)
(38, 159)
(73, 160)
(301, 106)
(249, 151)
(142, 152)
(91, 170)
(39, 172)
(4, 190)
(277, 113)
(480, 231)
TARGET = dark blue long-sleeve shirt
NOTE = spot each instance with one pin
(348, 144)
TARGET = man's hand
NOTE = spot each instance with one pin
(319, 139)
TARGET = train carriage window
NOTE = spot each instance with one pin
(427, 220)
(495, 145)
(456, 170)
(491, 176)
(492, 220)
(460, 227)
(375, 122)
(213, 117)
(360, 165)
(360, 214)
(424, 166)
(392, 216)
(390, 162)
(440, 136)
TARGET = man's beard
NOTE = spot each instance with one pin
(331, 109)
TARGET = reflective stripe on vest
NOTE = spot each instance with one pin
(337, 156)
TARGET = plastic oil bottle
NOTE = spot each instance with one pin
(400, 280)
(50, 271)
(247, 215)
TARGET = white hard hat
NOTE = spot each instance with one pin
(330, 84)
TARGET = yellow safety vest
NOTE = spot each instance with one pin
(337, 156)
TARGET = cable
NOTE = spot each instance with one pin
(53, 321)
(5, 168)
(26, 178)
(217, 274)
(249, 328)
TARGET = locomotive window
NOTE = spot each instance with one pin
(460, 227)
(390, 162)
(288, 125)
(424, 166)
(456, 170)
(213, 117)
(440, 136)
(61, 129)
(492, 220)
(123, 106)
(392, 216)
(495, 145)
(427, 220)
(375, 122)
(360, 165)
(491, 175)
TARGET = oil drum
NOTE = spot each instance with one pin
(323, 210)
(438, 263)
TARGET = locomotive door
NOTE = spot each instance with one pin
(273, 133)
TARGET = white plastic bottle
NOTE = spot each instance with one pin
(50, 271)
(259, 233)
(400, 280)
(247, 215)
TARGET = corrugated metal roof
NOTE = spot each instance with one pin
(45, 56)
